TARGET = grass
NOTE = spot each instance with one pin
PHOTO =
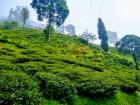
(119, 99)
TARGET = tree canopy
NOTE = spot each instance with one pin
(25, 15)
(55, 11)
(88, 37)
(130, 44)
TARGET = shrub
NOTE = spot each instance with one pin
(128, 81)
(98, 68)
(24, 60)
(17, 88)
(3, 40)
(97, 87)
(32, 68)
(54, 87)
(71, 75)
(81, 64)
(7, 66)
(27, 52)
(137, 77)
(129, 87)
(10, 25)
(80, 50)
(124, 62)
(0, 32)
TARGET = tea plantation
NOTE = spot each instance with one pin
(65, 71)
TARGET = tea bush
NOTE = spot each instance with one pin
(137, 75)
(72, 75)
(129, 87)
(63, 68)
(17, 88)
(7, 66)
(24, 60)
(32, 68)
(124, 62)
(10, 25)
(0, 32)
(97, 87)
(55, 87)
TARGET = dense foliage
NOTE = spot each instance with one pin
(55, 87)
(130, 44)
(46, 10)
(18, 89)
(63, 70)
(10, 25)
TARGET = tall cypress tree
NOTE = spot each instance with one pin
(103, 35)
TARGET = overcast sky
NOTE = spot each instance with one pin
(122, 16)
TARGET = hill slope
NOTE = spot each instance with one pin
(65, 70)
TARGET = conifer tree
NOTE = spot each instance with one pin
(103, 35)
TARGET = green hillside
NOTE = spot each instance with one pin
(67, 70)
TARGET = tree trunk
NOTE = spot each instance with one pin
(23, 25)
(135, 60)
(49, 39)
(24, 21)
(49, 36)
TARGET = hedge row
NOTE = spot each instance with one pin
(56, 87)
(18, 88)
